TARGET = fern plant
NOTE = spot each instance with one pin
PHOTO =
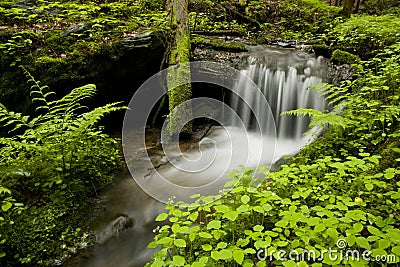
(335, 97)
(51, 163)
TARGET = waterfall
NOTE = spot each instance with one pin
(284, 78)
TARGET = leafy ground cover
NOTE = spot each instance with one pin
(344, 186)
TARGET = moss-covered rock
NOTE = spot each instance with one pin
(343, 57)
(218, 44)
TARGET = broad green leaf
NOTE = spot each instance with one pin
(358, 227)
(193, 216)
(222, 245)
(351, 240)
(332, 232)
(206, 247)
(158, 263)
(245, 199)
(6, 206)
(214, 224)
(363, 242)
(161, 217)
(319, 228)
(378, 252)
(258, 209)
(242, 242)
(369, 187)
(180, 243)
(396, 250)
(383, 243)
(231, 215)
(289, 263)
(197, 264)
(205, 235)
(178, 260)
(238, 256)
(258, 228)
(374, 231)
(267, 207)
(225, 254)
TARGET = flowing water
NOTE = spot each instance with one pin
(283, 77)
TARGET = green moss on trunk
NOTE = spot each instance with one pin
(178, 80)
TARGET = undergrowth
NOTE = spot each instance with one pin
(51, 164)
(339, 194)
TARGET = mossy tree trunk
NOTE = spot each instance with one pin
(178, 74)
(347, 8)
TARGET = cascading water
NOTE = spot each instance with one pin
(284, 78)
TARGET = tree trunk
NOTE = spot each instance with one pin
(347, 8)
(358, 4)
(179, 54)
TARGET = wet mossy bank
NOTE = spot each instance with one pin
(117, 68)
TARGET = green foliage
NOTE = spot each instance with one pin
(343, 57)
(285, 19)
(344, 186)
(365, 35)
(52, 163)
(381, 7)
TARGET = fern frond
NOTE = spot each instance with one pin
(70, 103)
(13, 119)
(332, 94)
(88, 119)
(319, 118)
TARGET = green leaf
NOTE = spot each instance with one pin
(180, 243)
(258, 228)
(374, 231)
(222, 208)
(214, 224)
(319, 228)
(161, 217)
(206, 247)
(198, 264)
(225, 254)
(363, 242)
(158, 263)
(383, 244)
(221, 245)
(378, 252)
(238, 256)
(205, 235)
(6, 206)
(396, 250)
(249, 251)
(358, 227)
(258, 209)
(245, 199)
(282, 223)
(193, 216)
(242, 242)
(178, 261)
(351, 240)
(231, 215)
(282, 243)
(243, 208)
(267, 207)
(369, 187)
(289, 263)
(332, 232)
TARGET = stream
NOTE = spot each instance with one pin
(255, 135)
